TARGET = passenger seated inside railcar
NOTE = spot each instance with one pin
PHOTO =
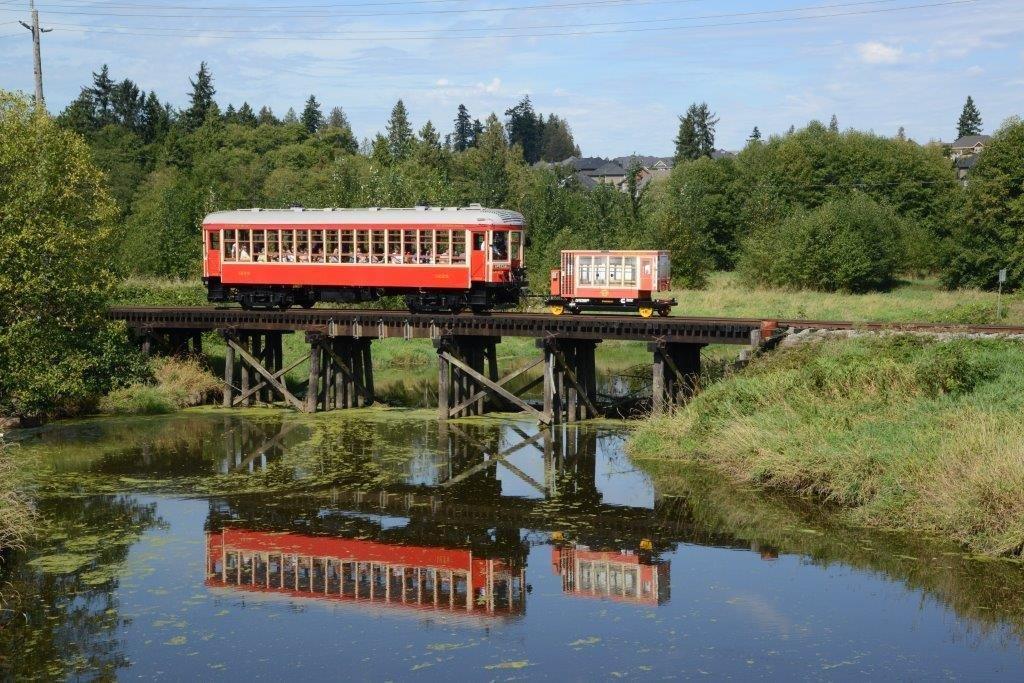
(499, 246)
(361, 256)
(396, 256)
(335, 256)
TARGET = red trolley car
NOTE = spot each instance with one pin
(611, 281)
(439, 258)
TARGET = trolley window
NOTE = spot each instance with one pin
(362, 246)
(584, 270)
(230, 245)
(515, 245)
(458, 246)
(347, 239)
(600, 276)
(214, 240)
(244, 245)
(408, 246)
(331, 247)
(394, 246)
(499, 246)
(287, 246)
(614, 270)
(302, 246)
(629, 271)
(378, 246)
(426, 248)
(443, 240)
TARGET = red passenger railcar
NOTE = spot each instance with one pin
(611, 281)
(438, 258)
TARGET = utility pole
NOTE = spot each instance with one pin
(36, 32)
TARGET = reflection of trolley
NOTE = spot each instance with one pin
(592, 280)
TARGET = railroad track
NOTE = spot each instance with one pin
(203, 316)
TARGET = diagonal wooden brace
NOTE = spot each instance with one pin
(452, 412)
(271, 380)
(277, 375)
(495, 387)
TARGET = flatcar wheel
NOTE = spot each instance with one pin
(556, 309)
(664, 311)
(646, 311)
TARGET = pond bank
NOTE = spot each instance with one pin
(899, 432)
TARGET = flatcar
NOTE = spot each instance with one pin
(611, 281)
(439, 259)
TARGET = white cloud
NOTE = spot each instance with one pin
(874, 52)
(442, 82)
(975, 71)
(492, 87)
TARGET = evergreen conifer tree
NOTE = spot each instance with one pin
(687, 147)
(755, 134)
(266, 117)
(312, 117)
(833, 124)
(462, 136)
(102, 91)
(478, 130)
(290, 116)
(400, 137)
(156, 119)
(200, 99)
(525, 129)
(245, 115)
(970, 120)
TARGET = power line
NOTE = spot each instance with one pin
(807, 8)
(196, 33)
(292, 15)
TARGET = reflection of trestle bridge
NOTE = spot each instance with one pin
(455, 545)
(341, 365)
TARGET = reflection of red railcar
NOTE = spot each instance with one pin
(623, 576)
(439, 258)
(611, 281)
(363, 571)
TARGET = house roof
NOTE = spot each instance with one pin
(586, 181)
(971, 141)
(609, 169)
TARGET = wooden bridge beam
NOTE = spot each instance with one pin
(570, 379)
(675, 374)
(340, 373)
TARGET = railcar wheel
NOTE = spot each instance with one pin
(646, 311)
(556, 309)
(664, 311)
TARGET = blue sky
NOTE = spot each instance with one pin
(619, 70)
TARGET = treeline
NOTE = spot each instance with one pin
(816, 208)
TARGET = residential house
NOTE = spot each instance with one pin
(964, 153)
(968, 144)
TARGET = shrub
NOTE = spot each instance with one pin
(177, 383)
(850, 244)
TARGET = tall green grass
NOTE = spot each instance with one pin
(899, 432)
(17, 514)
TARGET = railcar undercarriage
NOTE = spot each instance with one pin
(479, 298)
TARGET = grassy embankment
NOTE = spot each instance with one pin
(912, 301)
(17, 514)
(898, 433)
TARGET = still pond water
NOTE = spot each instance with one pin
(383, 546)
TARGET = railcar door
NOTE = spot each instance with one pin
(478, 256)
(647, 274)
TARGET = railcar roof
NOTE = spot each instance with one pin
(420, 215)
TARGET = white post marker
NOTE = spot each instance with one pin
(999, 297)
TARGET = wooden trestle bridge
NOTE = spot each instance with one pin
(341, 363)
